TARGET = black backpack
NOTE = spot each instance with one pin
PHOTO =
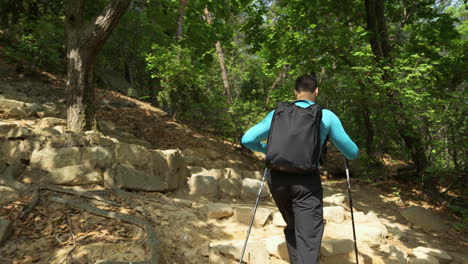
(294, 139)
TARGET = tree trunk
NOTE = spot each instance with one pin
(222, 64)
(378, 40)
(83, 42)
(180, 20)
(365, 114)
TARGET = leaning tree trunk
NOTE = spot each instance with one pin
(83, 42)
(222, 63)
(378, 40)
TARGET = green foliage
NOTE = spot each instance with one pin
(40, 42)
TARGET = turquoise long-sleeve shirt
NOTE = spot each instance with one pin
(330, 126)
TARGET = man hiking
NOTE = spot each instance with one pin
(296, 133)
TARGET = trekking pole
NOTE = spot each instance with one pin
(351, 206)
(253, 217)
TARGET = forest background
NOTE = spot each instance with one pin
(393, 71)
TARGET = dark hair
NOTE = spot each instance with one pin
(306, 83)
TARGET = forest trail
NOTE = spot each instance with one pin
(201, 220)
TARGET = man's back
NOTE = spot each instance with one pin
(330, 126)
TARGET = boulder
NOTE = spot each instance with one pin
(334, 214)
(97, 157)
(424, 218)
(46, 132)
(133, 155)
(215, 173)
(5, 128)
(373, 233)
(18, 132)
(422, 258)
(5, 229)
(278, 220)
(49, 122)
(250, 189)
(276, 246)
(18, 112)
(15, 150)
(203, 185)
(216, 210)
(230, 187)
(127, 177)
(73, 175)
(252, 175)
(8, 104)
(177, 172)
(52, 158)
(334, 246)
(440, 254)
(230, 251)
(67, 140)
(395, 255)
(243, 214)
(346, 258)
(232, 173)
(337, 199)
(96, 139)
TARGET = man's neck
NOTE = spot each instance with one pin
(306, 97)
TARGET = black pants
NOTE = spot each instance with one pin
(299, 199)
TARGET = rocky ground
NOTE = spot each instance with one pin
(188, 196)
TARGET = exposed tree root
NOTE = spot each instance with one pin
(151, 234)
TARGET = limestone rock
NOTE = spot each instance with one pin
(96, 139)
(346, 258)
(127, 177)
(133, 155)
(440, 254)
(97, 157)
(8, 104)
(422, 258)
(250, 189)
(196, 170)
(337, 199)
(230, 187)
(177, 172)
(5, 229)
(334, 214)
(18, 112)
(232, 173)
(278, 220)
(215, 173)
(19, 132)
(216, 210)
(5, 128)
(277, 247)
(49, 122)
(15, 150)
(51, 158)
(424, 218)
(373, 233)
(252, 175)
(230, 251)
(242, 214)
(203, 185)
(395, 255)
(73, 175)
(334, 245)
(46, 132)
